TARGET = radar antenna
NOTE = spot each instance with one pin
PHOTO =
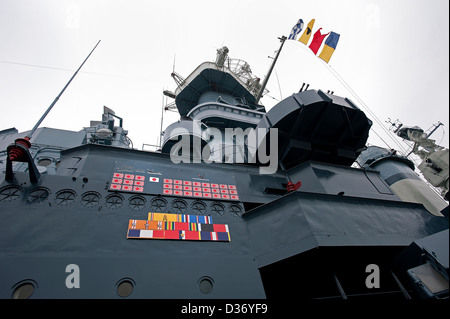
(435, 165)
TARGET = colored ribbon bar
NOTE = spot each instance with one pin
(161, 225)
(165, 217)
(179, 227)
(178, 235)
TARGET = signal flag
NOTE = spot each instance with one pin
(329, 47)
(317, 41)
(307, 34)
(296, 30)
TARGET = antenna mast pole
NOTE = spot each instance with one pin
(162, 119)
(263, 86)
(28, 137)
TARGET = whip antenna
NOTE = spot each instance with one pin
(28, 137)
(18, 151)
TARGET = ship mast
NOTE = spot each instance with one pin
(263, 86)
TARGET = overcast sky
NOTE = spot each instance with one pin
(394, 54)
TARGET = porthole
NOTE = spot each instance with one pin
(38, 195)
(235, 210)
(136, 203)
(217, 209)
(65, 197)
(10, 193)
(199, 208)
(90, 199)
(24, 289)
(206, 284)
(114, 201)
(125, 287)
(44, 162)
(179, 206)
(158, 205)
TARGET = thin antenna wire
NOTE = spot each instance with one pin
(349, 88)
(279, 87)
(59, 95)
(72, 70)
(174, 56)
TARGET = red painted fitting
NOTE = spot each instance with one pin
(17, 153)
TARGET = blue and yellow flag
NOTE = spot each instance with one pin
(329, 47)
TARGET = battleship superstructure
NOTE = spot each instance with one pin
(315, 227)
